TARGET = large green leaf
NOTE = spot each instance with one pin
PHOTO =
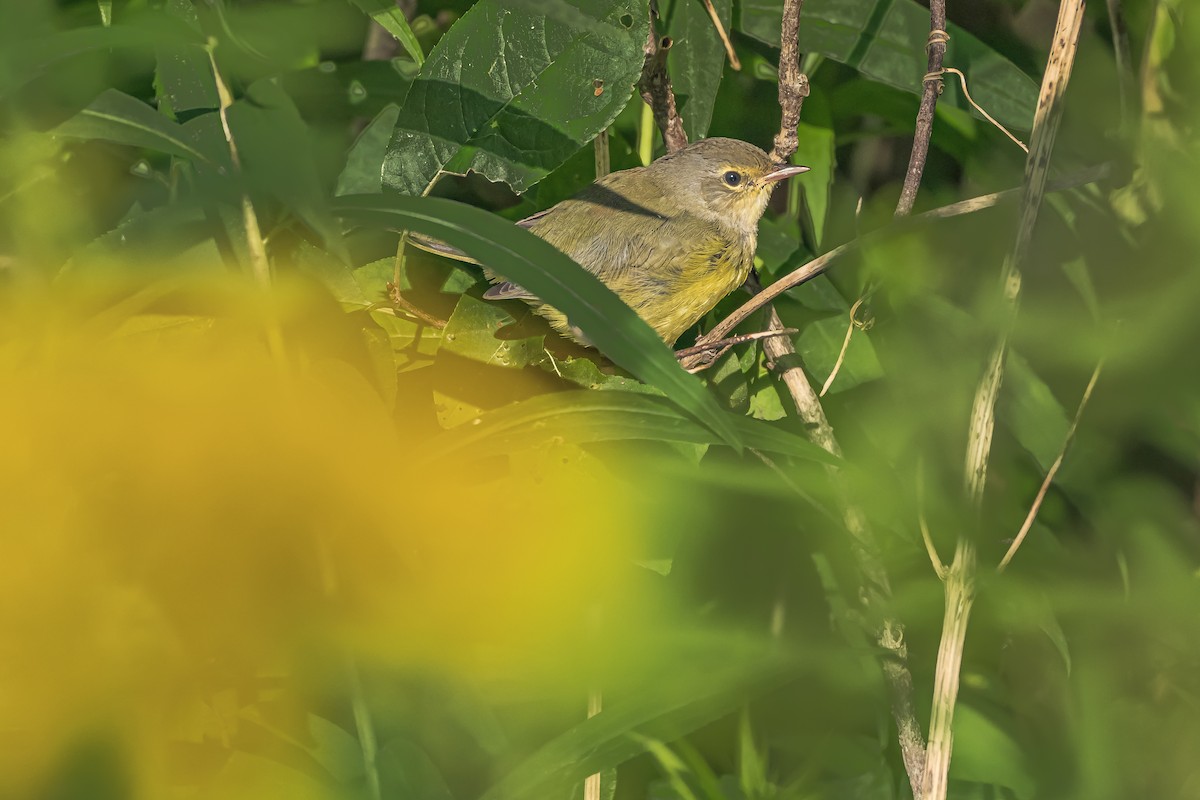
(515, 88)
(387, 14)
(116, 117)
(697, 60)
(598, 416)
(885, 40)
(538, 266)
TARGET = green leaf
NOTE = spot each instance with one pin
(587, 416)
(885, 40)
(116, 117)
(471, 333)
(24, 61)
(277, 158)
(820, 341)
(584, 372)
(697, 60)
(986, 753)
(515, 88)
(535, 264)
(1032, 413)
(405, 770)
(394, 22)
(665, 710)
(815, 149)
(361, 175)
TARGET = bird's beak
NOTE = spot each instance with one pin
(782, 172)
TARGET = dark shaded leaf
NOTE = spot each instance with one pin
(116, 117)
(697, 60)
(277, 157)
(514, 88)
(885, 40)
(537, 265)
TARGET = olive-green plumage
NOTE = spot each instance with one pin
(671, 239)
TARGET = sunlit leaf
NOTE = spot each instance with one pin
(472, 333)
(515, 88)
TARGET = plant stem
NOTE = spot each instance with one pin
(959, 584)
(936, 49)
(959, 596)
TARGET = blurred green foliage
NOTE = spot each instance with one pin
(310, 544)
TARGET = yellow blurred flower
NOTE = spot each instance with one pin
(191, 515)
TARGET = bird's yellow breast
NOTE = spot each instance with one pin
(711, 270)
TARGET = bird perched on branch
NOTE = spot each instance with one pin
(670, 239)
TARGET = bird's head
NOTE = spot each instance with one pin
(725, 179)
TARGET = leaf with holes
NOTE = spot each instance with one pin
(515, 88)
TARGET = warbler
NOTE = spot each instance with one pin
(670, 239)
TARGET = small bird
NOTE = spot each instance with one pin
(670, 239)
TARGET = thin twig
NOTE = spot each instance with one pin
(603, 159)
(1053, 471)
(655, 86)
(793, 84)
(938, 567)
(712, 13)
(960, 580)
(822, 262)
(936, 48)
(591, 785)
(721, 345)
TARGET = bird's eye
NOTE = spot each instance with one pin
(732, 178)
